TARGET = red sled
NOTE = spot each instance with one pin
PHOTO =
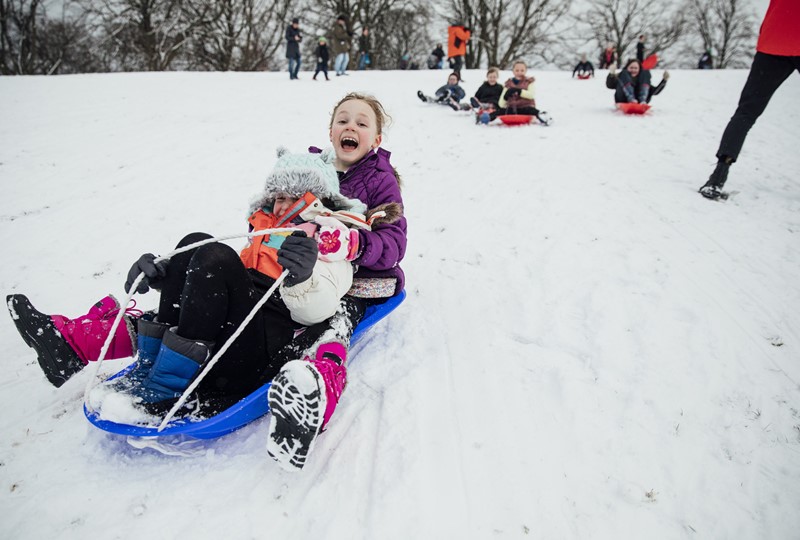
(584, 76)
(650, 62)
(633, 108)
(516, 119)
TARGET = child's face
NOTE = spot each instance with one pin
(452, 79)
(633, 69)
(354, 132)
(282, 203)
(519, 70)
(491, 78)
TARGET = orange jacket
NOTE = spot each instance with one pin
(262, 252)
(457, 37)
(780, 31)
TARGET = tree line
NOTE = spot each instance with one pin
(86, 36)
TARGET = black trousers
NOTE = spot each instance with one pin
(766, 74)
(208, 292)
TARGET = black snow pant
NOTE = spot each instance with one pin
(208, 292)
(766, 74)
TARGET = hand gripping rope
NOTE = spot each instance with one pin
(95, 378)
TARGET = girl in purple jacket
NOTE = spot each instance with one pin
(302, 398)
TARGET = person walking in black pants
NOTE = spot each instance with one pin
(777, 56)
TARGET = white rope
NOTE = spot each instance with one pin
(95, 378)
(221, 351)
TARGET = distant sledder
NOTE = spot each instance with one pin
(632, 88)
(450, 94)
(486, 102)
(584, 69)
(517, 98)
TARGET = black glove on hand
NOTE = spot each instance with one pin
(153, 273)
(298, 255)
(511, 92)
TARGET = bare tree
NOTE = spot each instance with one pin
(396, 27)
(402, 31)
(19, 20)
(241, 35)
(147, 35)
(67, 46)
(621, 22)
(503, 30)
(727, 28)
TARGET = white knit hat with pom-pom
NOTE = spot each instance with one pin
(296, 174)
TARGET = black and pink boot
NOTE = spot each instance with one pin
(64, 346)
(302, 399)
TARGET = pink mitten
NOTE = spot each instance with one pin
(335, 241)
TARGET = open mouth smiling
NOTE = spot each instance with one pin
(349, 143)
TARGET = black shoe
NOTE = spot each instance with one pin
(56, 358)
(475, 103)
(454, 104)
(544, 118)
(710, 191)
(421, 96)
(297, 401)
(713, 188)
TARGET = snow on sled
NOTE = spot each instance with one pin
(633, 108)
(515, 119)
(241, 413)
(650, 62)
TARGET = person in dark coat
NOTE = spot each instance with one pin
(363, 50)
(436, 59)
(777, 56)
(632, 84)
(449, 94)
(293, 39)
(640, 49)
(486, 100)
(584, 69)
(323, 57)
(706, 61)
(339, 38)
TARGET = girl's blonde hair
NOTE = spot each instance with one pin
(381, 117)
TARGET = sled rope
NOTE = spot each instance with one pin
(95, 374)
(221, 351)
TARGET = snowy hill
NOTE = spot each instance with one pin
(589, 349)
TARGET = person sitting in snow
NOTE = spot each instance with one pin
(584, 68)
(632, 84)
(518, 94)
(450, 94)
(487, 97)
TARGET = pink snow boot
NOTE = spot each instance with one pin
(87, 334)
(302, 398)
(64, 346)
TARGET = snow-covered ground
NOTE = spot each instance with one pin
(589, 349)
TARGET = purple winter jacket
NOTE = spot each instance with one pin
(373, 182)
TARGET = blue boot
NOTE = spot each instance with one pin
(178, 362)
(148, 340)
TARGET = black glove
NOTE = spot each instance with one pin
(153, 273)
(298, 255)
(511, 92)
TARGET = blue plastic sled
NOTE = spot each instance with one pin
(240, 414)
